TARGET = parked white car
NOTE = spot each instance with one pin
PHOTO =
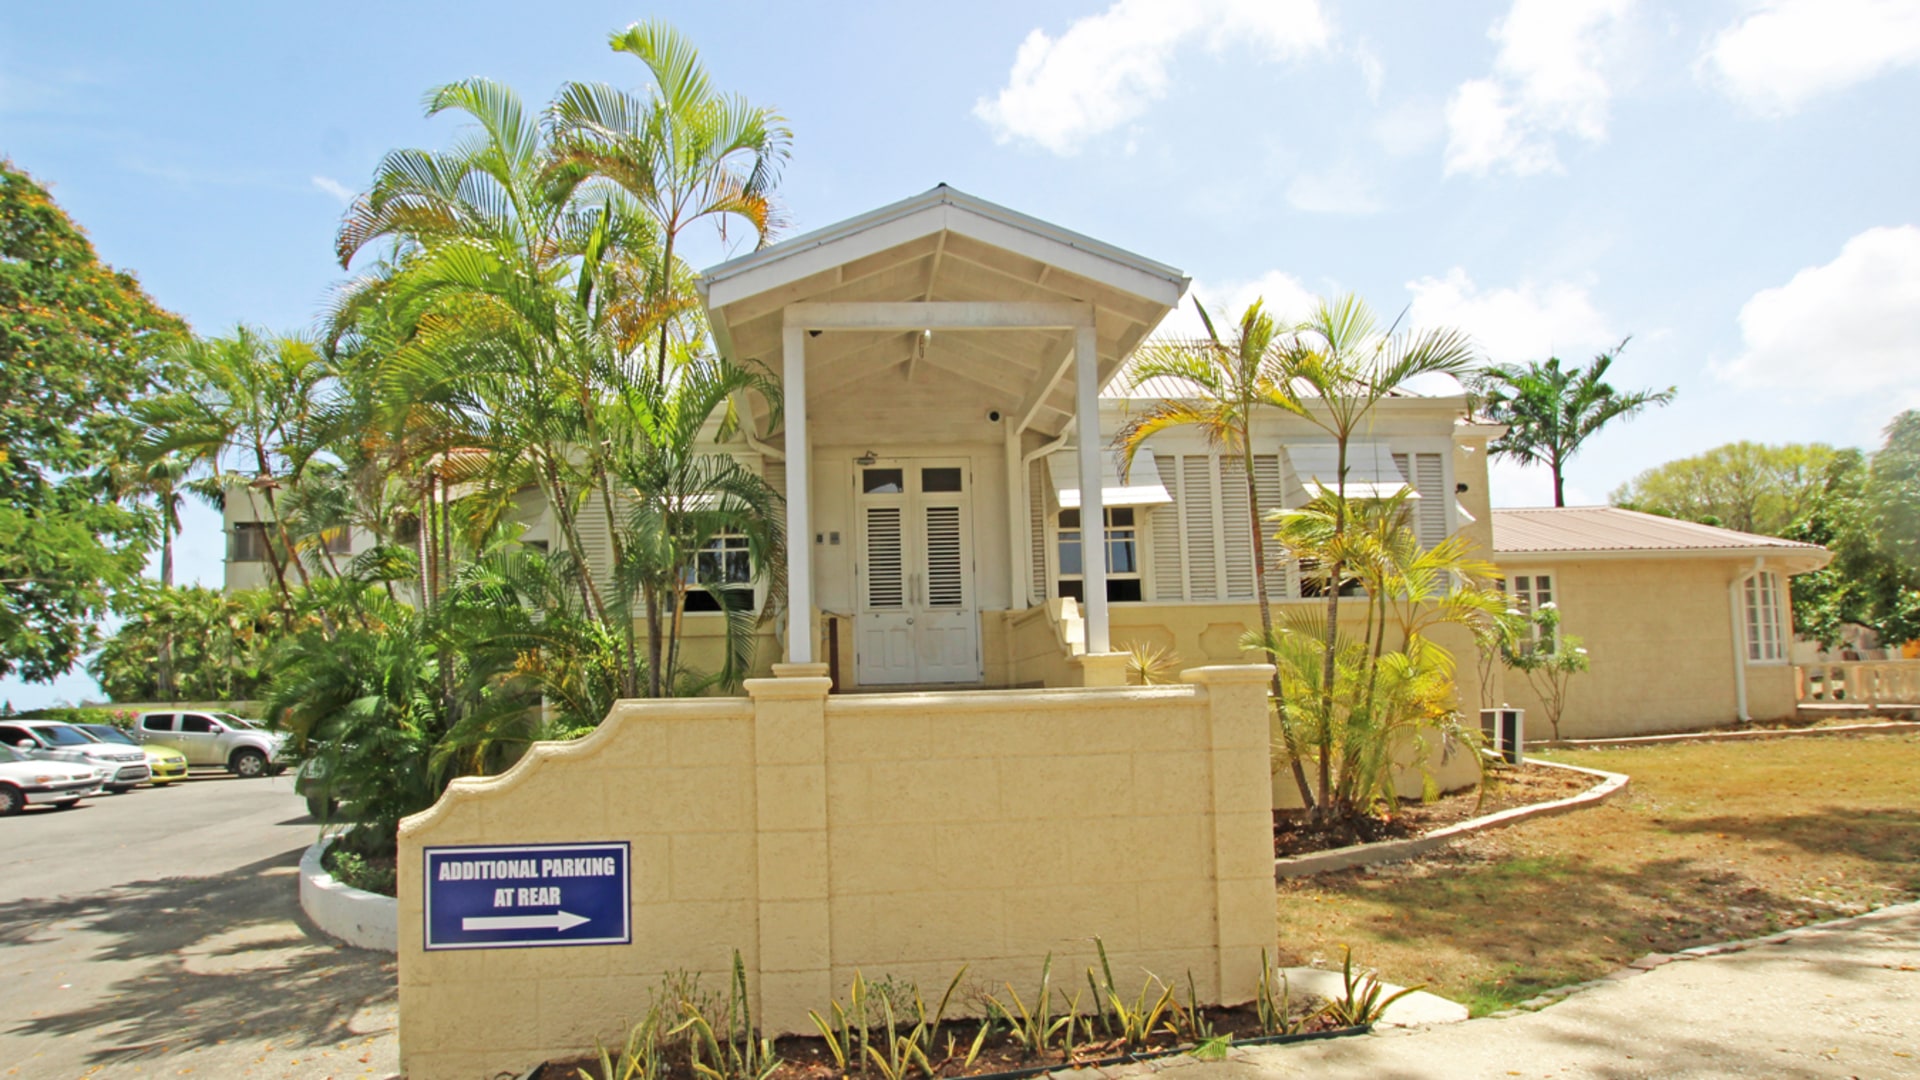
(25, 781)
(238, 745)
(118, 768)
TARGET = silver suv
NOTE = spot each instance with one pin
(242, 747)
(117, 768)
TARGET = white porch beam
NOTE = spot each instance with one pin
(1093, 511)
(1036, 400)
(939, 315)
(799, 480)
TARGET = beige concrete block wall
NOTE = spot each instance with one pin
(1771, 693)
(902, 835)
(1660, 637)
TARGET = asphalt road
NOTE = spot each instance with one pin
(158, 933)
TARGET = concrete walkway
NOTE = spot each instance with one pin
(1838, 1000)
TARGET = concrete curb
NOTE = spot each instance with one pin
(1346, 858)
(1891, 727)
(359, 918)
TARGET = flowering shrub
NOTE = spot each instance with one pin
(1548, 658)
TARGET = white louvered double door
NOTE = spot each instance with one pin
(917, 622)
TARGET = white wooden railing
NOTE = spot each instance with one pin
(1859, 682)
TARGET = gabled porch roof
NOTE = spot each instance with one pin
(945, 247)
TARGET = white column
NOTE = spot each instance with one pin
(1093, 511)
(1019, 574)
(799, 480)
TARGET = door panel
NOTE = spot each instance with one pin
(917, 623)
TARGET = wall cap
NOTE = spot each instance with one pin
(783, 689)
(1225, 674)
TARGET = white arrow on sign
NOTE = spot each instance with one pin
(559, 920)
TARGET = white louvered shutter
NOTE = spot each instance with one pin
(1037, 530)
(886, 574)
(1201, 518)
(1267, 483)
(775, 474)
(1163, 524)
(1430, 480)
(946, 572)
(1236, 528)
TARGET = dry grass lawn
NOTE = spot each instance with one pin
(1711, 843)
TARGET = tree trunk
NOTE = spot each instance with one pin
(167, 689)
(1266, 627)
(1335, 570)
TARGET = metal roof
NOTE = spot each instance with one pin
(1600, 531)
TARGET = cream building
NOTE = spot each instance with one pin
(938, 358)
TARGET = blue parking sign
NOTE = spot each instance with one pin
(526, 896)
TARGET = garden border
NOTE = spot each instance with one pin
(362, 919)
(1887, 727)
(1346, 858)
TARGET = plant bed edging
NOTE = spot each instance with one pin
(357, 917)
(1346, 858)
(1885, 727)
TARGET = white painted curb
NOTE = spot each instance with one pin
(362, 919)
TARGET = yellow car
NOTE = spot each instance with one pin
(165, 764)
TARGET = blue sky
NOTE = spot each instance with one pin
(1735, 183)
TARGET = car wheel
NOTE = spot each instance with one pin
(66, 805)
(248, 764)
(12, 800)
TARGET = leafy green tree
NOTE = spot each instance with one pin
(1549, 659)
(1229, 382)
(1868, 583)
(1893, 488)
(80, 344)
(1550, 411)
(187, 643)
(1748, 486)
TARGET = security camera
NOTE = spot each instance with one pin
(993, 416)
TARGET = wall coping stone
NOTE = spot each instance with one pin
(362, 919)
(1885, 727)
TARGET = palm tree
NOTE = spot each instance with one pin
(1334, 370)
(249, 398)
(1229, 383)
(1550, 411)
(684, 151)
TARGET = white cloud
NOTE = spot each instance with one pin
(1410, 127)
(1343, 189)
(1510, 483)
(1848, 327)
(334, 188)
(1546, 82)
(1777, 58)
(1517, 324)
(1106, 69)
(1284, 296)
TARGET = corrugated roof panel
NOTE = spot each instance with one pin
(1607, 528)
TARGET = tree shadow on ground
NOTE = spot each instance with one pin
(1889, 835)
(221, 958)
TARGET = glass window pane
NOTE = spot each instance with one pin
(940, 479)
(1069, 519)
(1120, 517)
(882, 481)
(1121, 555)
(1070, 553)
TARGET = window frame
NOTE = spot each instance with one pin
(1532, 597)
(723, 544)
(236, 548)
(1759, 598)
(1136, 534)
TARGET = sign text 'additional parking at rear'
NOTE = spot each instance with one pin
(527, 895)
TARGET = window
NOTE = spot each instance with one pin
(882, 481)
(1530, 593)
(1765, 642)
(157, 722)
(14, 736)
(249, 542)
(722, 576)
(1123, 556)
(199, 725)
(941, 479)
(339, 542)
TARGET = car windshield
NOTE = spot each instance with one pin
(107, 733)
(63, 735)
(234, 721)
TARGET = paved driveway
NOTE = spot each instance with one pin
(158, 933)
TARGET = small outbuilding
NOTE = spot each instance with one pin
(1686, 625)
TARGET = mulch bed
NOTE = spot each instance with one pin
(1506, 787)
(807, 1058)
